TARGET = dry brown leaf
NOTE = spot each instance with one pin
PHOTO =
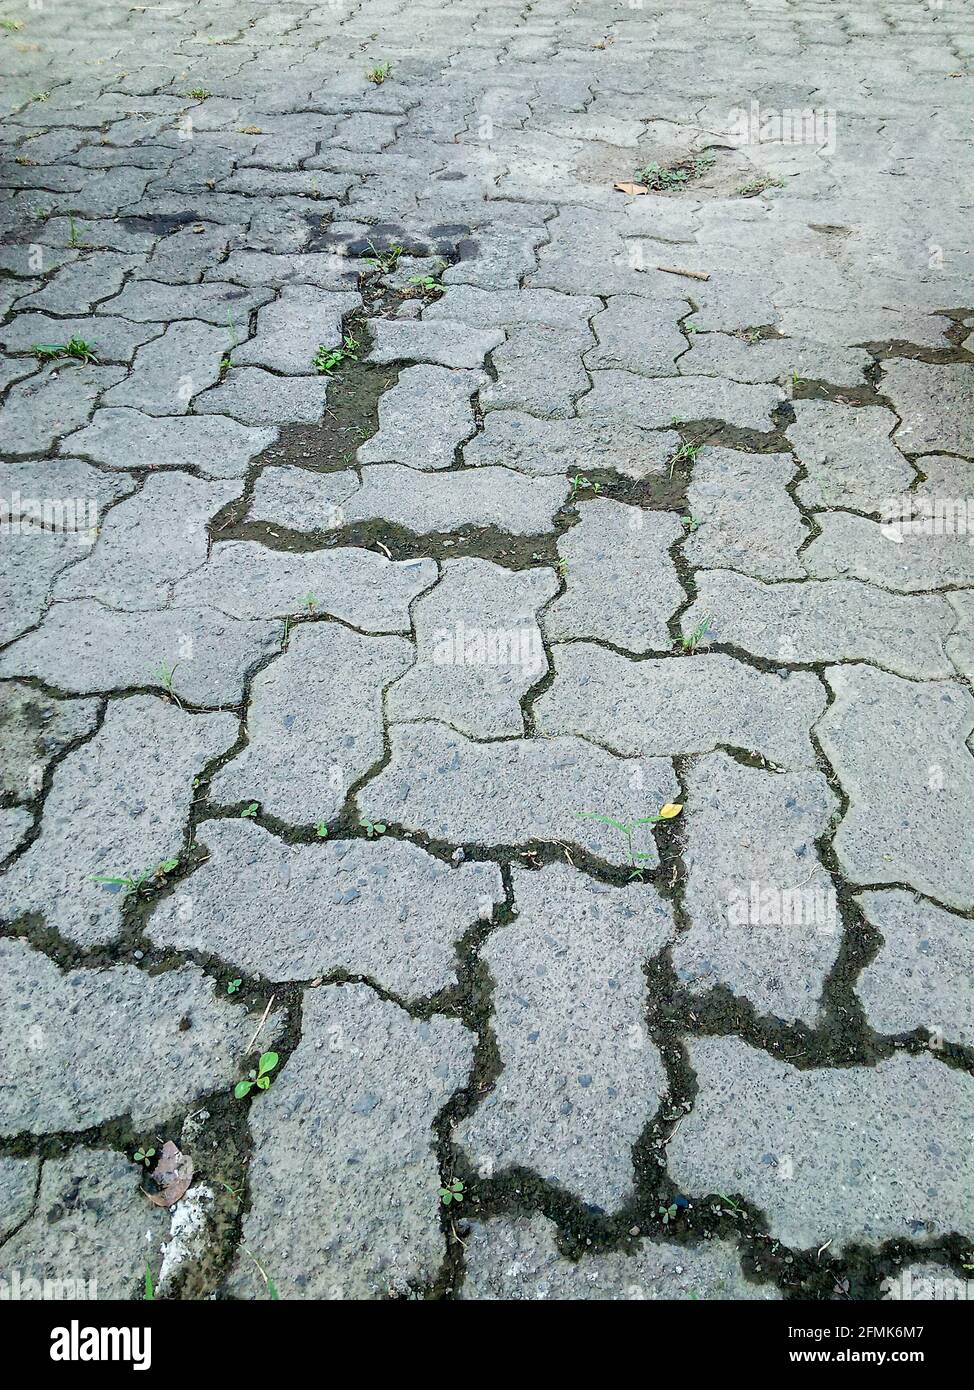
(633, 189)
(251, 130)
(173, 1173)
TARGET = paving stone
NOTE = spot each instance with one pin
(889, 554)
(344, 1174)
(34, 730)
(432, 340)
(111, 339)
(185, 255)
(960, 644)
(826, 620)
(763, 911)
(848, 457)
(228, 306)
(540, 447)
(635, 335)
(49, 404)
(659, 402)
(18, 1184)
(496, 262)
(608, 557)
(291, 330)
(383, 909)
(256, 397)
(29, 564)
(440, 782)
(62, 495)
(15, 822)
(125, 570)
(356, 586)
(15, 369)
(203, 655)
(935, 403)
(687, 704)
(88, 1235)
(745, 517)
(216, 446)
(144, 1072)
(78, 287)
(772, 359)
(579, 1078)
(479, 649)
(327, 270)
(899, 751)
(314, 724)
(423, 418)
(539, 370)
(512, 308)
(518, 1258)
(852, 1154)
(168, 372)
(921, 976)
(117, 806)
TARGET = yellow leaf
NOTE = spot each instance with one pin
(670, 810)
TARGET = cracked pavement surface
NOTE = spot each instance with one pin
(424, 515)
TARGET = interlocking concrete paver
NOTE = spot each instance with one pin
(689, 704)
(703, 451)
(321, 701)
(921, 975)
(841, 1153)
(910, 783)
(478, 649)
(344, 1172)
(518, 1258)
(579, 1073)
(117, 808)
(607, 560)
(187, 1042)
(440, 782)
(85, 1236)
(379, 908)
(763, 914)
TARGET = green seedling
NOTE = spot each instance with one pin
(225, 365)
(321, 830)
(131, 883)
(235, 1192)
(759, 185)
(199, 93)
(271, 1286)
(582, 484)
(686, 453)
(637, 869)
(690, 522)
(669, 1213)
(144, 1156)
(691, 641)
(164, 676)
(427, 283)
(386, 261)
(233, 986)
(378, 74)
(41, 96)
(327, 359)
(77, 348)
(259, 1077)
(667, 177)
(311, 603)
(797, 381)
(250, 810)
(13, 26)
(150, 1291)
(74, 240)
(373, 827)
(453, 1192)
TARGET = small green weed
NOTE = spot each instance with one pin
(259, 1077)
